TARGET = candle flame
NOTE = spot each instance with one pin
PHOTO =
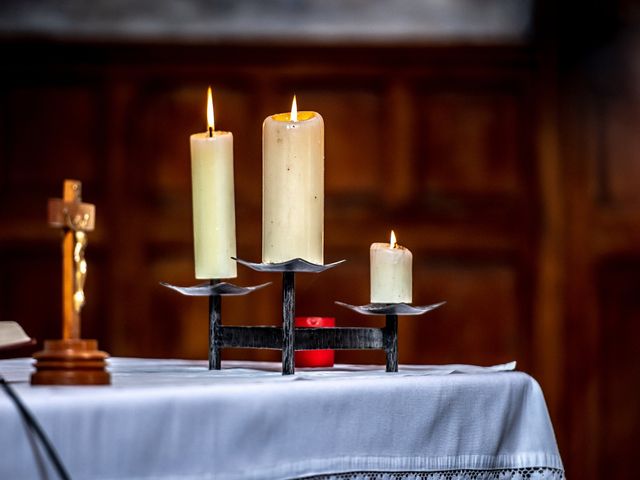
(210, 121)
(294, 110)
(392, 240)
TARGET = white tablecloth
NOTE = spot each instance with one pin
(174, 419)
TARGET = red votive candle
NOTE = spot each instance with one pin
(315, 358)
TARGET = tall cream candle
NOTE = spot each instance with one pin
(214, 217)
(293, 187)
(390, 272)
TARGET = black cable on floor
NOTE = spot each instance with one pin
(33, 424)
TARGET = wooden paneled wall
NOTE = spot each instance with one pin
(427, 144)
(467, 153)
(602, 172)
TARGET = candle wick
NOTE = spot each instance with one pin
(211, 131)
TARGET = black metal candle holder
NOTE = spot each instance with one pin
(214, 290)
(280, 338)
(287, 338)
(387, 338)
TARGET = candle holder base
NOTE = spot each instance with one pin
(215, 289)
(70, 362)
(297, 265)
(222, 289)
(289, 339)
(390, 331)
(404, 309)
(287, 334)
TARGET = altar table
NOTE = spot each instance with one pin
(174, 419)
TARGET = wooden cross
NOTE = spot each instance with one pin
(75, 218)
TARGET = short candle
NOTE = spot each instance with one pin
(214, 217)
(390, 272)
(315, 358)
(293, 187)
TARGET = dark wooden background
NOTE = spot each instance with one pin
(511, 171)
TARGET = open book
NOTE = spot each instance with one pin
(12, 336)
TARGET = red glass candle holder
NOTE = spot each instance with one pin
(315, 358)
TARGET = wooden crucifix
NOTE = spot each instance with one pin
(71, 360)
(75, 218)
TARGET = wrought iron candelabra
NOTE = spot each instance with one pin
(287, 338)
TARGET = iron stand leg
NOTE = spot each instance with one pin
(391, 343)
(288, 315)
(215, 323)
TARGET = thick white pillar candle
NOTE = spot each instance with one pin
(214, 217)
(390, 272)
(293, 187)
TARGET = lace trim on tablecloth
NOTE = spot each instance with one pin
(530, 473)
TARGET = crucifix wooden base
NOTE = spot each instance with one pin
(70, 362)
